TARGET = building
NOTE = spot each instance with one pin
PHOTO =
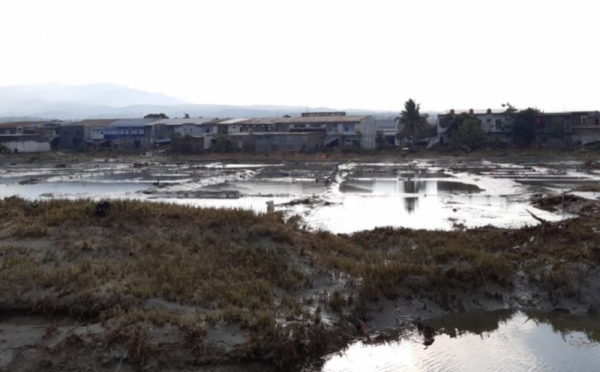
(48, 128)
(389, 128)
(579, 127)
(274, 141)
(20, 143)
(190, 126)
(339, 129)
(493, 121)
(78, 135)
(132, 133)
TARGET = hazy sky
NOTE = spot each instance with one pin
(360, 54)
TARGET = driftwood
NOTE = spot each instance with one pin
(543, 221)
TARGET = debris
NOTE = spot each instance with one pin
(62, 165)
(270, 206)
(102, 209)
(30, 181)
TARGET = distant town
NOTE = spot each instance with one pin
(466, 129)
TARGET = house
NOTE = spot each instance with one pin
(494, 122)
(340, 130)
(48, 128)
(579, 127)
(78, 135)
(246, 125)
(132, 133)
(190, 126)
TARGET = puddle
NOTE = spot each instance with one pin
(272, 187)
(504, 341)
(83, 189)
(360, 196)
(356, 212)
(431, 187)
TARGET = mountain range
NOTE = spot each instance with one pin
(67, 102)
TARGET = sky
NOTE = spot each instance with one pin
(372, 54)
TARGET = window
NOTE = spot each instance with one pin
(77, 133)
(597, 121)
(583, 119)
(346, 128)
(498, 123)
(207, 130)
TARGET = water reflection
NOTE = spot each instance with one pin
(431, 187)
(500, 341)
(411, 204)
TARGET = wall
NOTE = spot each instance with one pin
(367, 129)
(72, 136)
(188, 145)
(288, 142)
(26, 146)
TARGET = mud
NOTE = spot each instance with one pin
(48, 327)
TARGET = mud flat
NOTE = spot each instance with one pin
(176, 276)
(154, 286)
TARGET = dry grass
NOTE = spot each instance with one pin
(234, 266)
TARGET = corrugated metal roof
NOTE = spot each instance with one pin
(192, 121)
(130, 123)
(301, 120)
(92, 122)
(22, 124)
(232, 121)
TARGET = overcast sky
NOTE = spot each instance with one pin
(342, 54)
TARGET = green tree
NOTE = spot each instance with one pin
(156, 116)
(451, 122)
(414, 123)
(521, 124)
(470, 133)
(555, 129)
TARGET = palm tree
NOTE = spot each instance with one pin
(414, 123)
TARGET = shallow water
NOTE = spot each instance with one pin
(504, 341)
(264, 187)
(386, 186)
(65, 189)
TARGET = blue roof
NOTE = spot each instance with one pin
(130, 123)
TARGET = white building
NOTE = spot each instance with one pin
(493, 121)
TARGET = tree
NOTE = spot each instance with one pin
(555, 129)
(414, 123)
(521, 124)
(380, 139)
(470, 133)
(452, 122)
(186, 116)
(156, 116)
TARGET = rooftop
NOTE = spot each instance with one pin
(131, 123)
(192, 121)
(93, 122)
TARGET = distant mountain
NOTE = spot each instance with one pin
(45, 96)
(58, 101)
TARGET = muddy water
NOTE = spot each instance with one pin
(504, 341)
